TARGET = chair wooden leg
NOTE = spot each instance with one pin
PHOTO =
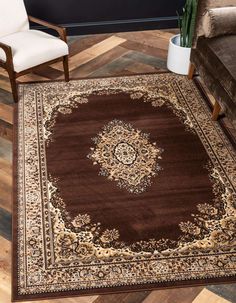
(66, 68)
(216, 111)
(191, 71)
(12, 76)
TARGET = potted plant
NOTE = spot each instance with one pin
(180, 45)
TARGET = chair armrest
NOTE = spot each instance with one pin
(61, 30)
(8, 51)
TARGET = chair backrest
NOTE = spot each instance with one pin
(13, 17)
(203, 6)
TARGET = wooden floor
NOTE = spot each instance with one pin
(93, 56)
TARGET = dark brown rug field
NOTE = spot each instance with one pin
(120, 184)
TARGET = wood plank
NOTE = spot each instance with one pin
(175, 295)
(82, 43)
(173, 31)
(136, 297)
(6, 97)
(5, 271)
(5, 197)
(86, 299)
(162, 34)
(5, 83)
(5, 166)
(6, 131)
(5, 185)
(5, 150)
(111, 298)
(6, 113)
(75, 61)
(98, 62)
(5, 224)
(104, 46)
(5, 176)
(31, 77)
(145, 68)
(147, 59)
(227, 291)
(207, 296)
(3, 72)
(146, 38)
(145, 49)
(113, 68)
(92, 52)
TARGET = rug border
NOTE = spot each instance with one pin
(14, 204)
(95, 291)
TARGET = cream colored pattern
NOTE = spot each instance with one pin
(53, 258)
(126, 156)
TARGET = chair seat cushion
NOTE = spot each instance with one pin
(219, 56)
(32, 47)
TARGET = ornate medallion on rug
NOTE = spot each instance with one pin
(126, 156)
(121, 184)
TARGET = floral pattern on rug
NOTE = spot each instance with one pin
(83, 240)
(126, 156)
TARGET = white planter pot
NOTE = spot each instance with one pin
(178, 59)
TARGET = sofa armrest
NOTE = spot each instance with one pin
(59, 29)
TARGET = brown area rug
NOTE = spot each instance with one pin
(121, 184)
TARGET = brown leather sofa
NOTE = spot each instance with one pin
(215, 61)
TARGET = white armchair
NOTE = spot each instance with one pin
(22, 49)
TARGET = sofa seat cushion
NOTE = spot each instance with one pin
(32, 47)
(219, 56)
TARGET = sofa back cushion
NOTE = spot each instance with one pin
(203, 6)
(219, 21)
(13, 17)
